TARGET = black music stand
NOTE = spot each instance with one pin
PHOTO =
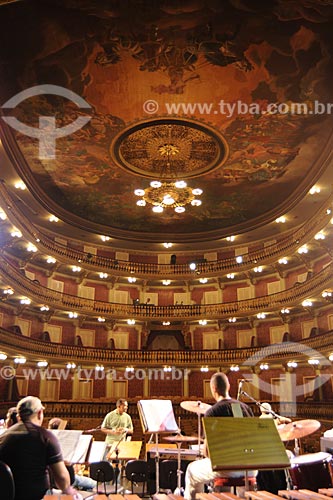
(157, 416)
(244, 444)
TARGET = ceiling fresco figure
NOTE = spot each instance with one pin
(236, 57)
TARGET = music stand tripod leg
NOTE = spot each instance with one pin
(199, 434)
(157, 465)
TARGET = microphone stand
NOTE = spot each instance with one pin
(275, 415)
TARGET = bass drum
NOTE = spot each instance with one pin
(311, 471)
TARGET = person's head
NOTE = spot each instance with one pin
(219, 385)
(11, 417)
(54, 423)
(31, 408)
(265, 408)
(121, 405)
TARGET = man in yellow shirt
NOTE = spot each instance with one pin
(117, 424)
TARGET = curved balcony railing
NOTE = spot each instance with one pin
(281, 353)
(287, 245)
(243, 308)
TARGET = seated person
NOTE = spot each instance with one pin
(11, 417)
(81, 482)
(30, 450)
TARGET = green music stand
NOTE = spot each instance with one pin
(244, 444)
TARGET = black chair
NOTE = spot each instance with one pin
(168, 475)
(7, 486)
(102, 472)
(136, 471)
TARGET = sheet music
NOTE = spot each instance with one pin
(69, 441)
(81, 451)
(97, 451)
(158, 415)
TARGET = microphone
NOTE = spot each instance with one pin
(240, 385)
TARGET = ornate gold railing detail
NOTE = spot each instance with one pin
(287, 245)
(279, 353)
(274, 302)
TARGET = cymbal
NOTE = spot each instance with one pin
(181, 439)
(297, 430)
(195, 406)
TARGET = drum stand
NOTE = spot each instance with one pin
(297, 448)
(289, 482)
(199, 435)
(178, 490)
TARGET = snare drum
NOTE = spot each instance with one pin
(311, 471)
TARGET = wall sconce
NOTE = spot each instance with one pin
(313, 362)
(261, 315)
(20, 360)
(42, 364)
(234, 368)
(258, 269)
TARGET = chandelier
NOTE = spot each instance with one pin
(162, 193)
(168, 195)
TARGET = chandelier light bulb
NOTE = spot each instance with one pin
(168, 200)
(180, 184)
(139, 192)
(158, 209)
(155, 184)
(180, 210)
(196, 203)
(197, 191)
(141, 203)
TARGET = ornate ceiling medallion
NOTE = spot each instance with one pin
(169, 149)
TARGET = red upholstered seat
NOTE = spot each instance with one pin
(233, 482)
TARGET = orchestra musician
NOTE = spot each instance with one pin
(200, 472)
(117, 424)
(29, 450)
(11, 417)
(81, 482)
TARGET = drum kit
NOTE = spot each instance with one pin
(195, 407)
(306, 471)
(311, 470)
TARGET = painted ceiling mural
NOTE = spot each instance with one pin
(178, 90)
